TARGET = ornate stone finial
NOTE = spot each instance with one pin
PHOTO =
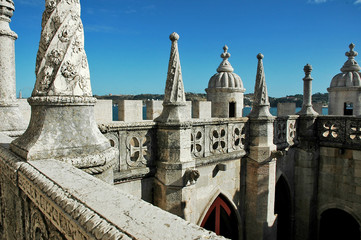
(225, 66)
(226, 54)
(174, 37)
(174, 90)
(307, 69)
(307, 108)
(61, 62)
(351, 65)
(7, 9)
(260, 107)
(351, 53)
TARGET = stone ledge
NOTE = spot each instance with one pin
(217, 158)
(101, 210)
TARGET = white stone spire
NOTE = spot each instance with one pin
(260, 107)
(62, 124)
(174, 89)
(61, 62)
(174, 104)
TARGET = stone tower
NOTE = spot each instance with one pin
(225, 90)
(345, 89)
(62, 124)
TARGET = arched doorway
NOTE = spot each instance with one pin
(221, 219)
(283, 210)
(338, 224)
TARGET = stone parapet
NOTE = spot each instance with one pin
(80, 206)
(130, 110)
(201, 109)
(154, 109)
(285, 131)
(339, 131)
(285, 109)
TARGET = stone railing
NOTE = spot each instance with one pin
(136, 143)
(218, 136)
(339, 131)
(285, 134)
(39, 203)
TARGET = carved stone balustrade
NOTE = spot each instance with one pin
(339, 131)
(218, 139)
(136, 145)
(285, 131)
(212, 140)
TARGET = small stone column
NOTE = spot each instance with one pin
(11, 119)
(62, 124)
(261, 166)
(176, 174)
(306, 165)
(307, 108)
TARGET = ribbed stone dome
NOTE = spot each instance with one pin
(347, 79)
(350, 76)
(226, 78)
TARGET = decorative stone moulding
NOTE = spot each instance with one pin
(62, 124)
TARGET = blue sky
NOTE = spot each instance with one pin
(128, 48)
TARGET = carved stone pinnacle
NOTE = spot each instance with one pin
(7, 8)
(351, 54)
(260, 56)
(226, 54)
(307, 69)
(174, 37)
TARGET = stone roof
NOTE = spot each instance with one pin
(350, 76)
(226, 78)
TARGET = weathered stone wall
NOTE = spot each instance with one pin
(339, 183)
(213, 182)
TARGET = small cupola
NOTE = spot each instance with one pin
(345, 88)
(225, 78)
(225, 88)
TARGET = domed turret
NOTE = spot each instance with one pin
(225, 88)
(345, 88)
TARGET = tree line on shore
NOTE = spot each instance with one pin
(248, 98)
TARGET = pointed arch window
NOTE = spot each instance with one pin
(221, 219)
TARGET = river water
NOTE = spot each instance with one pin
(246, 111)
